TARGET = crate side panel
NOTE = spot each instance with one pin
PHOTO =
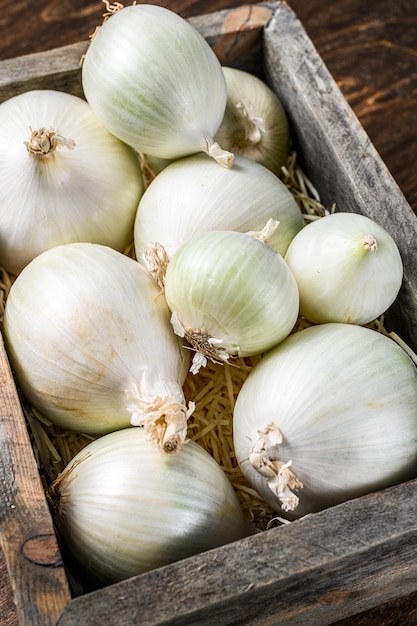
(28, 541)
(317, 570)
(337, 154)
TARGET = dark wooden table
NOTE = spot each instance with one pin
(370, 48)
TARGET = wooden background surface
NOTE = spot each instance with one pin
(370, 48)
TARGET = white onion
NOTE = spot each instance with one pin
(255, 123)
(89, 338)
(155, 83)
(124, 507)
(230, 295)
(192, 195)
(333, 407)
(348, 269)
(73, 181)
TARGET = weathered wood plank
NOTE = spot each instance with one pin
(337, 153)
(314, 571)
(54, 69)
(27, 536)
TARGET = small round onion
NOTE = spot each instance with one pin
(348, 269)
(230, 295)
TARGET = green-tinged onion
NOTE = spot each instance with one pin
(230, 295)
(155, 83)
(255, 123)
(348, 269)
(64, 178)
(328, 415)
(123, 507)
(89, 337)
(192, 195)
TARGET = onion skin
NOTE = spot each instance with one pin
(208, 197)
(89, 337)
(344, 398)
(123, 507)
(231, 294)
(87, 190)
(154, 82)
(348, 269)
(255, 123)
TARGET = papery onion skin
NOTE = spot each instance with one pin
(192, 195)
(154, 82)
(123, 507)
(89, 338)
(344, 398)
(235, 289)
(255, 123)
(340, 276)
(88, 193)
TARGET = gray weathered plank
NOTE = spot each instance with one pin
(27, 535)
(337, 153)
(314, 571)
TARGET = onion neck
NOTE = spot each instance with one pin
(156, 262)
(43, 142)
(252, 126)
(164, 419)
(223, 157)
(264, 458)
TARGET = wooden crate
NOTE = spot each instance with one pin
(317, 570)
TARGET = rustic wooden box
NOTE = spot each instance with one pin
(314, 571)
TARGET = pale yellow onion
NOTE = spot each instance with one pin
(89, 338)
(64, 178)
(192, 195)
(155, 83)
(230, 295)
(327, 415)
(255, 123)
(124, 507)
(348, 269)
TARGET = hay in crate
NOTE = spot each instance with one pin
(213, 390)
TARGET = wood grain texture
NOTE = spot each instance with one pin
(369, 49)
(337, 153)
(28, 541)
(263, 580)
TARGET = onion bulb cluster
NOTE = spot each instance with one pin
(101, 343)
